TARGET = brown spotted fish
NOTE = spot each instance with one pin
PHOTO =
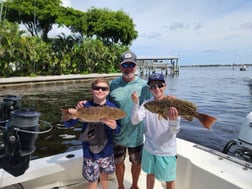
(185, 109)
(94, 113)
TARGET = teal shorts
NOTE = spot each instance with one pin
(163, 167)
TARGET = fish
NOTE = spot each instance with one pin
(186, 110)
(94, 113)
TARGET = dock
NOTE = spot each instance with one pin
(40, 81)
(151, 65)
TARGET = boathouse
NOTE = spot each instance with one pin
(151, 65)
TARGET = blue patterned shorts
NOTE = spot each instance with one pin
(92, 168)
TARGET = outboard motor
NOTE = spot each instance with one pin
(243, 145)
(19, 139)
(20, 128)
(10, 103)
(23, 128)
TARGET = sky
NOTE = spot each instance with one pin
(196, 31)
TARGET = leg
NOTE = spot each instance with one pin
(92, 185)
(135, 171)
(119, 155)
(170, 185)
(135, 155)
(104, 180)
(165, 170)
(120, 169)
(90, 172)
(150, 181)
(107, 167)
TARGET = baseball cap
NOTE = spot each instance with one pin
(128, 56)
(156, 77)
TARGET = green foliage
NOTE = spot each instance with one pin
(38, 16)
(13, 49)
(75, 20)
(94, 57)
(110, 27)
(98, 38)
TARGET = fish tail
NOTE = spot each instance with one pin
(206, 120)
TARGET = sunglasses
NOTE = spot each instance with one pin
(153, 87)
(97, 88)
(130, 65)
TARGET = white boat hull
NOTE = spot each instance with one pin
(203, 168)
(197, 167)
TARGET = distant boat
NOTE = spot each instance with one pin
(243, 68)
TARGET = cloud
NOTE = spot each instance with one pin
(196, 30)
(176, 26)
(66, 3)
(153, 35)
(247, 26)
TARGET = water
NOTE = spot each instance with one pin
(218, 91)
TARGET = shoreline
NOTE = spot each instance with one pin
(38, 80)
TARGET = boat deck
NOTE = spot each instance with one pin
(197, 167)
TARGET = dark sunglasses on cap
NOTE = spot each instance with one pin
(97, 88)
(153, 87)
(128, 65)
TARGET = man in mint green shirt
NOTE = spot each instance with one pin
(131, 136)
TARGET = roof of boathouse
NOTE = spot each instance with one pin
(158, 59)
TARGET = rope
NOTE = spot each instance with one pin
(45, 123)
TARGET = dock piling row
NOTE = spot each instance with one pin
(151, 65)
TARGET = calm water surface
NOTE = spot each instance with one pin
(222, 92)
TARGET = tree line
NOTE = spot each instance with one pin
(95, 41)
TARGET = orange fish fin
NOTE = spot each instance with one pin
(206, 120)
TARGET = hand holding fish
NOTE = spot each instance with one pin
(172, 113)
(72, 110)
(69, 114)
(135, 97)
(109, 122)
(80, 104)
